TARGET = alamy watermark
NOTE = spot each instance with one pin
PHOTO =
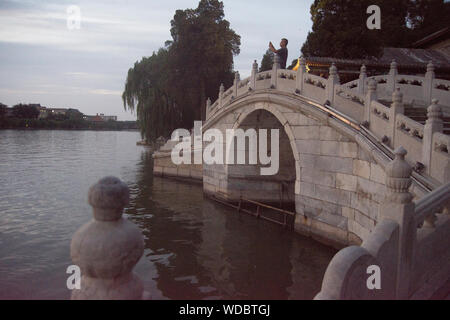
(234, 144)
(374, 21)
(374, 280)
(73, 17)
(74, 280)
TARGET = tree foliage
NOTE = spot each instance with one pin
(267, 61)
(340, 26)
(169, 89)
(2, 110)
(25, 111)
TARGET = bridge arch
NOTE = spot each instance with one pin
(277, 189)
(337, 185)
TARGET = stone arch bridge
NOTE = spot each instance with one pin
(335, 142)
(337, 153)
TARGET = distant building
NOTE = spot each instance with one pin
(100, 118)
(42, 112)
(108, 118)
(57, 111)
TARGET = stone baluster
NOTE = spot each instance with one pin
(108, 247)
(208, 107)
(275, 68)
(396, 108)
(254, 75)
(392, 78)
(428, 83)
(399, 207)
(237, 79)
(301, 71)
(370, 96)
(362, 80)
(433, 124)
(221, 91)
(333, 81)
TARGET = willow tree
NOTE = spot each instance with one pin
(146, 93)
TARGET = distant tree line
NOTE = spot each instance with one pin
(169, 89)
(27, 116)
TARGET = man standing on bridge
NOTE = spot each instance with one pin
(282, 52)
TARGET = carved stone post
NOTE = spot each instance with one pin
(396, 108)
(362, 80)
(399, 207)
(221, 91)
(301, 71)
(108, 247)
(254, 74)
(392, 78)
(208, 107)
(237, 79)
(333, 80)
(371, 96)
(433, 124)
(428, 83)
(275, 68)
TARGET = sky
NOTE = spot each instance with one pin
(45, 60)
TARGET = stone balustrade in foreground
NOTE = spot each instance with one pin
(409, 245)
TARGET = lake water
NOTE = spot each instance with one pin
(194, 248)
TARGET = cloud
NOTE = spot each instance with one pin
(42, 61)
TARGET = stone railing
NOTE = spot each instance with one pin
(107, 248)
(418, 90)
(407, 247)
(364, 100)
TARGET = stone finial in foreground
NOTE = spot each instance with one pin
(433, 124)
(399, 207)
(392, 78)
(362, 80)
(397, 101)
(108, 247)
(332, 82)
(430, 67)
(394, 68)
(428, 83)
(333, 69)
(363, 71)
(398, 178)
(276, 61)
(255, 66)
(275, 68)
(221, 92)
(237, 76)
(434, 114)
(253, 76)
(237, 79)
